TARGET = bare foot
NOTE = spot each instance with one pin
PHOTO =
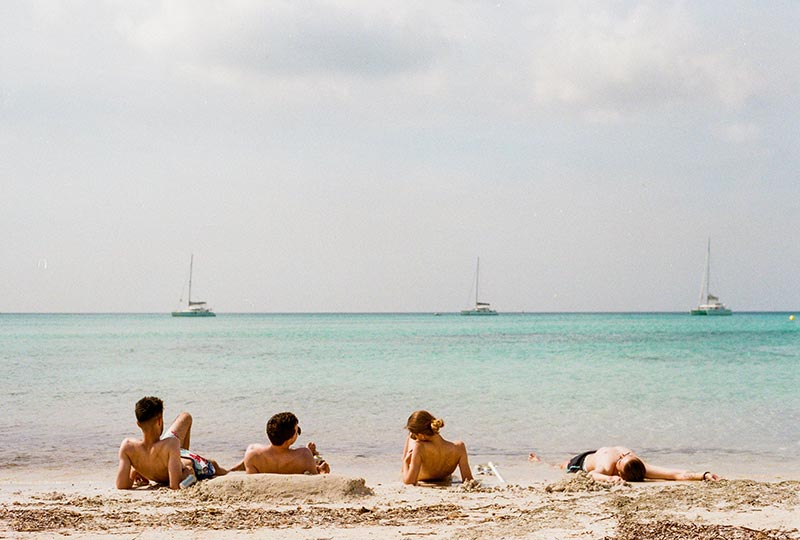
(533, 457)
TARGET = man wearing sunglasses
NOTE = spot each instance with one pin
(279, 457)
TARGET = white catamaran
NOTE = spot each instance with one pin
(481, 308)
(709, 304)
(193, 309)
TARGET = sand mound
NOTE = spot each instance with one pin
(273, 488)
(576, 482)
(475, 486)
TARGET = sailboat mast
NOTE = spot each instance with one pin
(477, 280)
(706, 275)
(191, 262)
(708, 269)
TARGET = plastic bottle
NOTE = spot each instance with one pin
(188, 481)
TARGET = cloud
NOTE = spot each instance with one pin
(606, 62)
(289, 39)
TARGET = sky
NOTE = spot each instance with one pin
(354, 156)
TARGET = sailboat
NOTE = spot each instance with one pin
(194, 308)
(709, 304)
(481, 308)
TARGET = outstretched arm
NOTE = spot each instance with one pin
(662, 473)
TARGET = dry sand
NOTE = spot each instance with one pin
(334, 507)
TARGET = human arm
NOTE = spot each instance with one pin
(463, 462)
(405, 451)
(663, 473)
(306, 461)
(137, 479)
(412, 462)
(320, 464)
(124, 479)
(610, 478)
(174, 466)
(250, 460)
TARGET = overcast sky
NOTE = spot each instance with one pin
(359, 156)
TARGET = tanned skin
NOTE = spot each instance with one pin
(155, 459)
(432, 458)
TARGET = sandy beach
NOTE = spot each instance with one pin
(537, 502)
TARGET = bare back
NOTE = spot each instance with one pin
(261, 458)
(434, 459)
(439, 459)
(152, 461)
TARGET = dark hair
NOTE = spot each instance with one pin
(632, 470)
(280, 427)
(424, 423)
(147, 408)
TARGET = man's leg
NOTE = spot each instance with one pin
(219, 470)
(182, 429)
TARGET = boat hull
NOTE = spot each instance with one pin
(478, 313)
(193, 314)
(712, 312)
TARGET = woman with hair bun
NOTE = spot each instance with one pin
(427, 457)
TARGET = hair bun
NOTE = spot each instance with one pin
(437, 424)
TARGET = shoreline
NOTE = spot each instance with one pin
(549, 504)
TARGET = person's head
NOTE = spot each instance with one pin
(423, 423)
(149, 409)
(631, 468)
(282, 427)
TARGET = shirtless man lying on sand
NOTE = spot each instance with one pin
(616, 464)
(164, 459)
(279, 457)
(427, 457)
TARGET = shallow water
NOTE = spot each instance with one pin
(696, 392)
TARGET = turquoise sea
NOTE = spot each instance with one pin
(701, 393)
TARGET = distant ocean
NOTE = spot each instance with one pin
(704, 393)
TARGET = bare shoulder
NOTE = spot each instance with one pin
(303, 461)
(169, 444)
(255, 452)
(458, 446)
(302, 452)
(128, 445)
(255, 458)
